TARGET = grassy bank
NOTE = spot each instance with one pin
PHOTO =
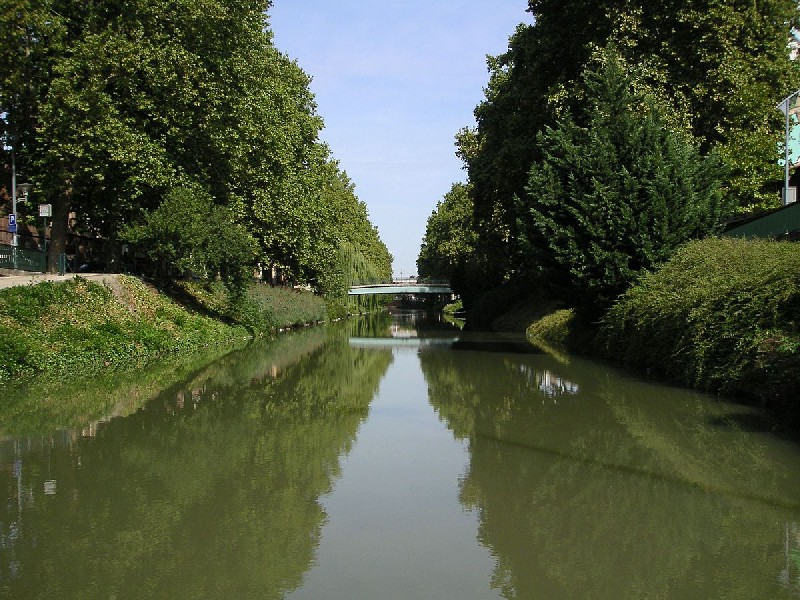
(80, 327)
(263, 310)
(722, 315)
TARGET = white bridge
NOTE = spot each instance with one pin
(402, 287)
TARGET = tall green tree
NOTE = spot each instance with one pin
(618, 189)
(128, 101)
(728, 63)
(721, 65)
(33, 35)
(350, 248)
(526, 87)
(450, 236)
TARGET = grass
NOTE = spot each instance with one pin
(83, 327)
(263, 310)
(80, 326)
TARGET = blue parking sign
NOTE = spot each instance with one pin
(12, 223)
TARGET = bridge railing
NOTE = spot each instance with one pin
(426, 281)
(414, 288)
(376, 281)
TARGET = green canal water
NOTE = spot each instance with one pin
(396, 457)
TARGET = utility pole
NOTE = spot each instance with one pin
(14, 200)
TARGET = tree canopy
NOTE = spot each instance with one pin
(449, 236)
(716, 70)
(110, 106)
(617, 190)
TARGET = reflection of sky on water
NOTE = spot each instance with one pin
(550, 384)
(396, 527)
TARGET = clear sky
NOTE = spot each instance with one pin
(394, 82)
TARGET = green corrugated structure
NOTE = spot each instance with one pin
(782, 223)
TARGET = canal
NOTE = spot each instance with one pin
(393, 457)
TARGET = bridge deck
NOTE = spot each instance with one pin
(400, 288)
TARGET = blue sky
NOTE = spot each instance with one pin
(394, 82)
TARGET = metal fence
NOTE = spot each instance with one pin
(34, 261)
(21, 259)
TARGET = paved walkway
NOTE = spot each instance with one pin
(34, 278)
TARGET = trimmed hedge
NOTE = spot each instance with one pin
(721, 315)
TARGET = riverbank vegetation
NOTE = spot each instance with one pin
(598, 156)
(721, 315)
(80, 327)
(175, 141)
(180, 129)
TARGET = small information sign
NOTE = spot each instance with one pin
(45, 210)
(12, 223)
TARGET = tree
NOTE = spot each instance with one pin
(450, 236)
(618, 189)
(526, 85)
(728, 63)
(32, 36)
(188, 235)
(720, 64)
(124, 102)
(350, 249)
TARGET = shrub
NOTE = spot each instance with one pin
(189, 234)
(722, 314)
(263, 309)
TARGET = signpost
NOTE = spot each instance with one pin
(45, 210)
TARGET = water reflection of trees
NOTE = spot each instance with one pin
(210, 490)
(620, 489)
(402, 324)
(374, 325)
(69, 403)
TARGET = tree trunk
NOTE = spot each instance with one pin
(58, 230)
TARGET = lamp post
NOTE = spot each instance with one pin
(23, 189)
(785, 106)
(14, 202)
(20, 191)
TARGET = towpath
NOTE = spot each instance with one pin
(34, 278)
